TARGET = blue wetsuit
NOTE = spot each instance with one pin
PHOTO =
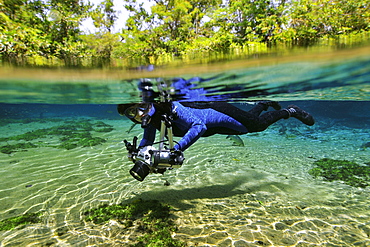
(197, 114)
(193, 123)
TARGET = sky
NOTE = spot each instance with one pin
(87, 26)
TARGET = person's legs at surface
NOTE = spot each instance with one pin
(265, 120)
(301, 115)
(255, 123)
(263, 106)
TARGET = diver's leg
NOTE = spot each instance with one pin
(265, 120)
(258, 109)
(255, 123)
(263, 106)
(301, 115)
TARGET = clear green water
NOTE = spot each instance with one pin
(257, 195)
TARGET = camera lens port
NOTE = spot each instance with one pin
(140, 170)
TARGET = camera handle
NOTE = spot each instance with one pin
(166, 127)
(132, 148)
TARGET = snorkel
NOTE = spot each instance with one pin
(145, 120)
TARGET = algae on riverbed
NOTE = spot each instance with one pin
(13, 222)
(71, 134)
(150, 218)
(349, 172)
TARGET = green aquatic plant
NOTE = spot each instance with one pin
(79, 139)
(27, 218)
(349, 172)
(8, 149)
(102, 127)
(28, 136)
(89, 142)
(151, 218)
(160, 237)
(71, 134)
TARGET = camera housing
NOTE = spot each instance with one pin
(150, 160)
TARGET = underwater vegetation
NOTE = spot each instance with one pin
(27, 218)
(150, 218)
(349, 172)
(71, 134)
(7, 149)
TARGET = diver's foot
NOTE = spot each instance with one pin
(274, 104)
(298, 113)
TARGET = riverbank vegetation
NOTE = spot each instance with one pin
(48, 32)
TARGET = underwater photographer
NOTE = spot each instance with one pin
(146, 158)
(190, 121)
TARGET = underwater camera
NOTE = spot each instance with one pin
(150, 160)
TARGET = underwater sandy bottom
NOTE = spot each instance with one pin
(257, 195)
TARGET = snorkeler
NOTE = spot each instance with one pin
(192, 120)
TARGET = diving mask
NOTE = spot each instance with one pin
(138, 112)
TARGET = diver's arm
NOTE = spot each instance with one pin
(194, 133)
(190, 123)
(148, 137)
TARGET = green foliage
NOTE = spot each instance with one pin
(41, 33)
(252, 20)
(27, 218)
(311, 20)
(206, 30)
(100, 47)
(151, 217)
(104, 15)
(349, 172)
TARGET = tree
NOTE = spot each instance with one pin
(168, 28)
(21, 30)
(251, 20)
(311, 20)
(36, 29)
(43, 31)
(104, 15)
(66, 17)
